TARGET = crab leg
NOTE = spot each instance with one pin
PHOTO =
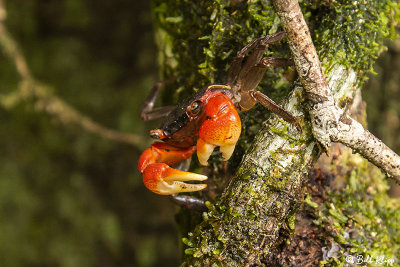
(222, 128)
(162, 179)
(189, 202)
(238, 69)
(275, 108)
(249, 78)
(148, 111)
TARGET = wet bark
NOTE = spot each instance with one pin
(257, 210)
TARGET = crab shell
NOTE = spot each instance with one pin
(205, 121)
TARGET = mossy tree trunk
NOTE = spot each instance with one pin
(254, 213)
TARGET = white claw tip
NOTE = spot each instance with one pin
(178, 187)
(204, 151)
(227, 151)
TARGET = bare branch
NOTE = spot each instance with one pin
(245, 223)
(352, 134)
(44, 100)
(329, 123)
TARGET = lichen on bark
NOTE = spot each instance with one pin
(197, 40)
(357, 215)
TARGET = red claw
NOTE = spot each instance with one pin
(162, 179)
(221, 129)
(162, 152)
(220, 126)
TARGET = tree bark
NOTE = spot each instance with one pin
(329, 122)
(248, 219)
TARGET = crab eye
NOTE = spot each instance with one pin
(194, 108)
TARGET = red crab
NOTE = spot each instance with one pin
(207, 120)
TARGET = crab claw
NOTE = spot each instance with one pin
(221, 129)
(164, 180)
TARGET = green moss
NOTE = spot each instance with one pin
(197, 49)
(291, 221)
(350, 32)
(310, 203)
(198, 40)
(361, 216)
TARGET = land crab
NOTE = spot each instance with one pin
(207, 120)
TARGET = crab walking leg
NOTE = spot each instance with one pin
(258, 45)
(162, 179)
(221, 129)
(189, 202)
(272, 106)
(148, 112)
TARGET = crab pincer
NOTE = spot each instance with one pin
(206, 122)
(162, 179)
(209, 119)
(222, 128)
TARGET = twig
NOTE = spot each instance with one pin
(329, 123)
(45, 101)
(269, 186)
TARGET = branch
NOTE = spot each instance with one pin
(45, 101)
(329, 122)
(251, 214)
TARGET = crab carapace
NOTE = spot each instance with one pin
(207, 120)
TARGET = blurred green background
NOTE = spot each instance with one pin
(68, 197)
(72, 198)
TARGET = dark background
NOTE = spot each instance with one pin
(68, 197)
(72, 198)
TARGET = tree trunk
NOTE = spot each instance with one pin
(256, 211)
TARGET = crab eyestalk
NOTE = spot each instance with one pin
(221, 129)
